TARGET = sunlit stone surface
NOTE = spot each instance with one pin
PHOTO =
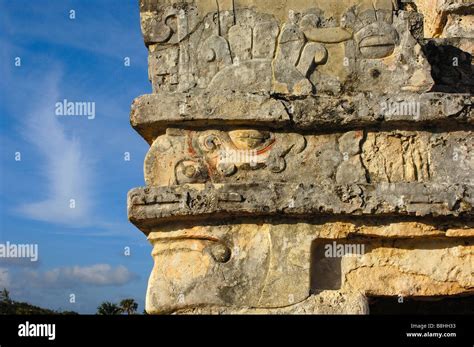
(305, 156)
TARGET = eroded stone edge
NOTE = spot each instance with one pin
(152, 206)
(152, 114)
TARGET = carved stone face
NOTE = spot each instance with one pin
(186, 157)
(330, 48)
(387, 57)
(372, 49)
(227, 266)
(196, 267)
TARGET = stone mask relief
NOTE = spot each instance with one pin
(269, 141)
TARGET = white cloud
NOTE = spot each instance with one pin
(66, 171)
(95, 275)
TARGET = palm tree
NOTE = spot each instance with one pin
(5, 296)
(108, 309)
(129, 306)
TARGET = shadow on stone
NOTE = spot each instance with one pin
(325, 272)
(451, 67)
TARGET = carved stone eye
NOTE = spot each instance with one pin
(377, 47)
(161, 31)
(210, 142)
(210, 55)
(377, 40)
(188, 171)
(219, 252)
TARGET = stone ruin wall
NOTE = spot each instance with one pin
(279, 129)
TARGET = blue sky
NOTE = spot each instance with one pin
(81, 249)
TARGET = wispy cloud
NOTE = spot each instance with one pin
(66, 158)
(74, 276)
(65, 168)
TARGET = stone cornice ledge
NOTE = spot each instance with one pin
(152, 114)
(154, 206)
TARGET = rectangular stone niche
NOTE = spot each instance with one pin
(414, 267)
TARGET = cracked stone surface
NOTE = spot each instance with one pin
(447, 18)
(306, 156)
(217, 156)
(152, 114)
(150, 206)
(264, 267)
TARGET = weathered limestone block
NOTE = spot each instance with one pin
(259, 267)
(326, 302)
(446, 269)
(248, 155)
(306, 156)
(152, 206)
(447, 18)
(295, 49)
(152, 114)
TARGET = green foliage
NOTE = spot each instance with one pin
(108, 309)
(129, 306)
(5, 296)
(11, 307)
